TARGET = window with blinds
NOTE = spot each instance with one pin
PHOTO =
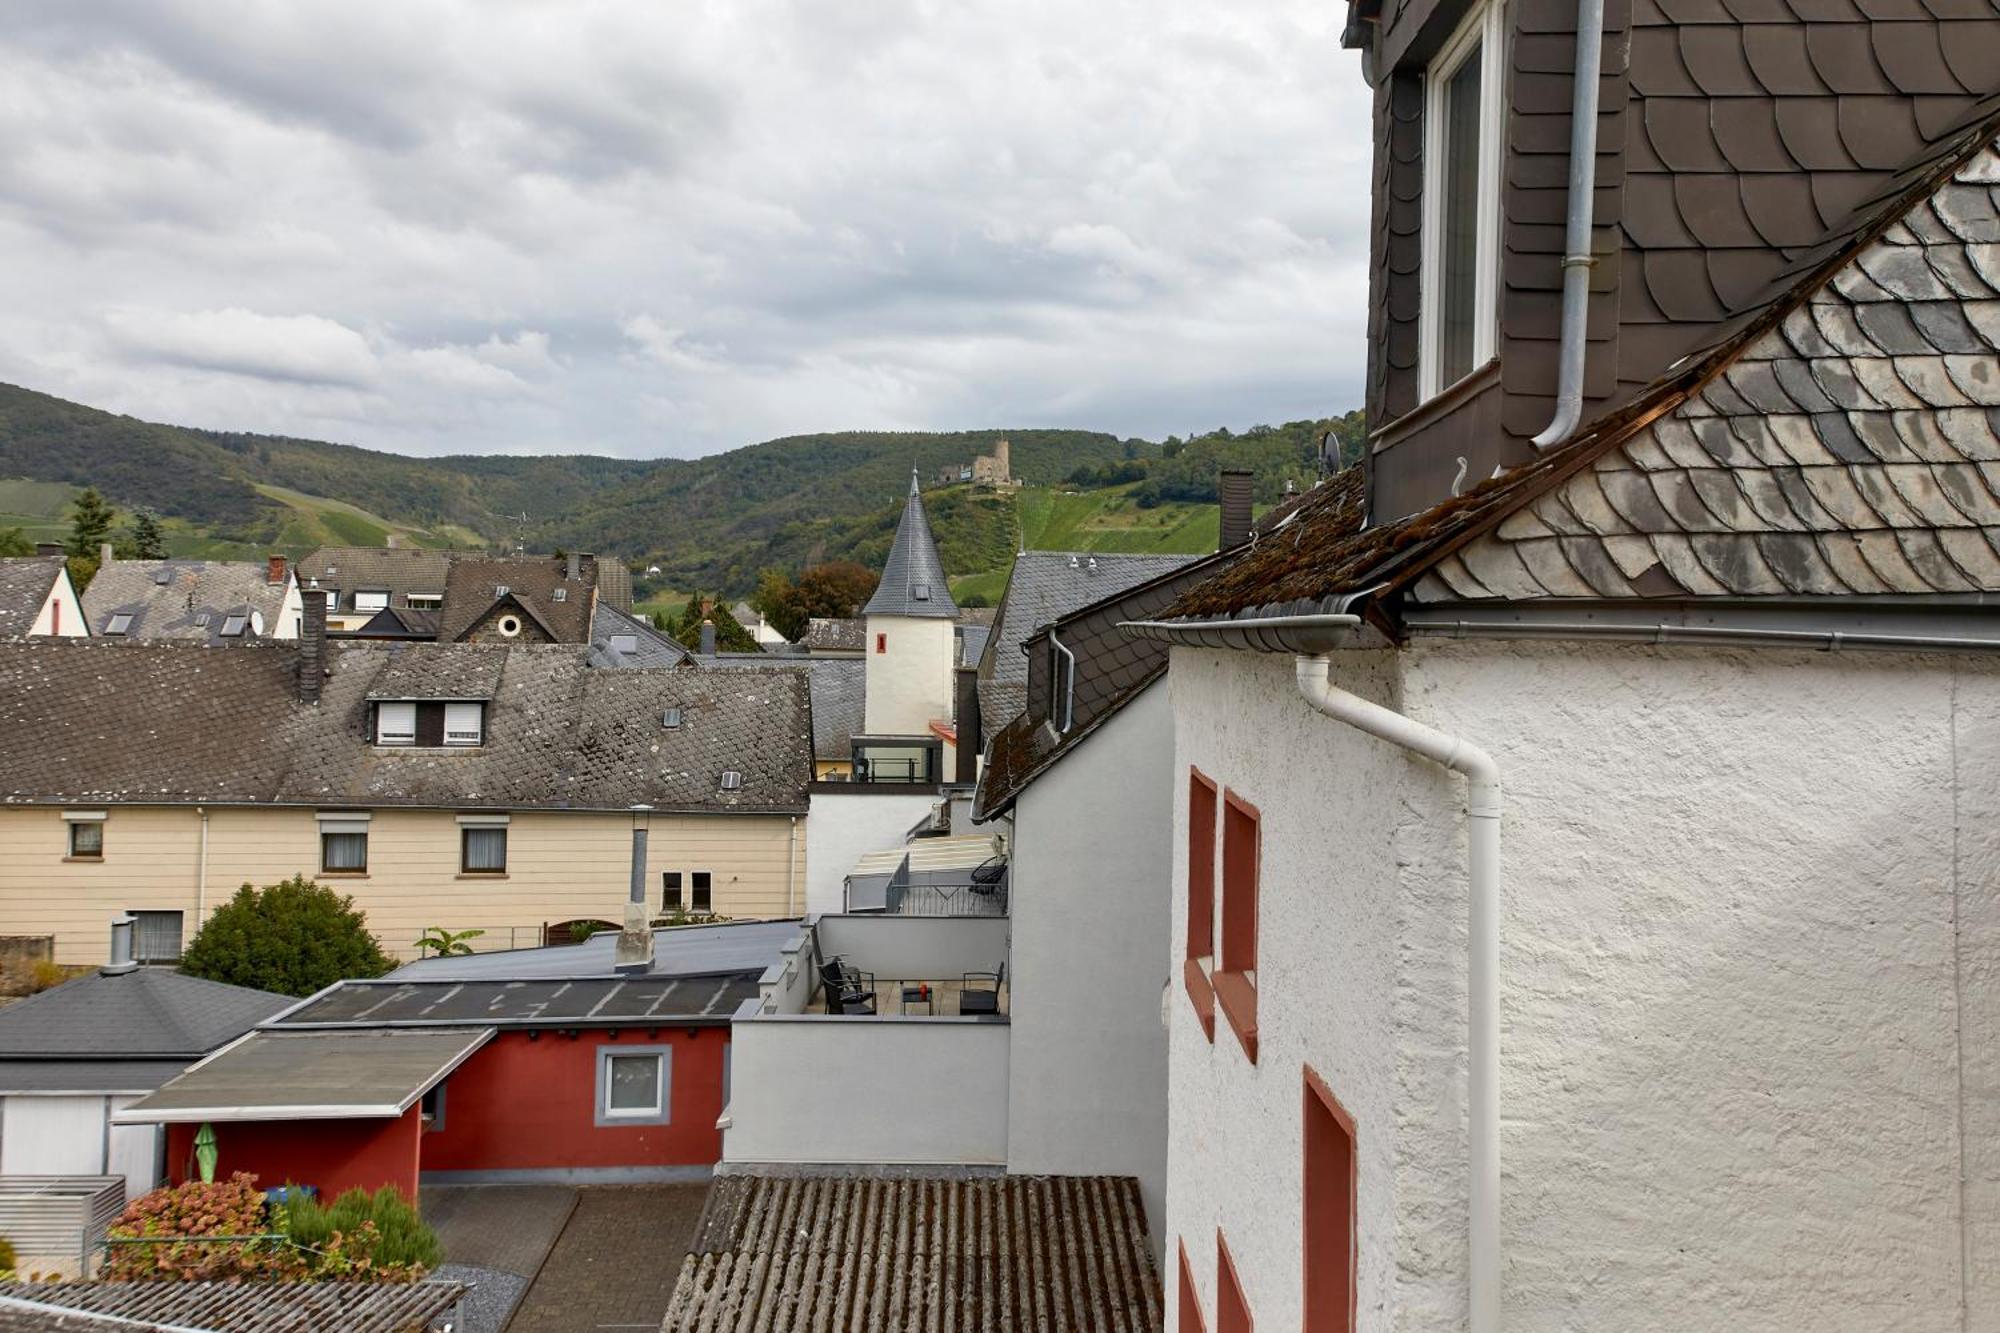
(463, 723)
(156, 937)
(342, 852)
(395, 724)
(483, 851)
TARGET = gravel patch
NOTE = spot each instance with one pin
(490, 1297)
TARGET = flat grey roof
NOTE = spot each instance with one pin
(548, 1002)
(311, 1075)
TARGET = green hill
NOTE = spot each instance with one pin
(713, 523)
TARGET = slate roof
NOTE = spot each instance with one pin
(837, 686)
(913, 580)
(1043, 587)
(194, 602)
(86, 722)
(824, 635)
(396, 570)
(226, 1307)
(1112, 669)
(149, 1013)
(25, 582)
(1838, 435)
(1006, 1254)
(650, 647)
(472, 585)
(393, 622)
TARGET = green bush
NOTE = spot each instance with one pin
(233, 1207)
(7, 1260)
(377, 1236)
(294, 937)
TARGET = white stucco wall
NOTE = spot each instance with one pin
(1749, 927)
(61, 615)
(910, 684)
(1090, 903)
(846, 826)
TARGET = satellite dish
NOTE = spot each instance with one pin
(257, 623)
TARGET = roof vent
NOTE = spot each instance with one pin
(121, 946)
(1091, 564)
(201, 620)
(732, 780)
(560, 594)
(162, 576)
(920, 591)
(1074, 563)
(501, 590)
(671, 718)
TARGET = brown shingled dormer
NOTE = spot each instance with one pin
(1730, 138)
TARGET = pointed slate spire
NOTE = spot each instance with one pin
(913, 581)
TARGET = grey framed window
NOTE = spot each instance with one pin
(483, 851)
(670, 890)
(156, 937)
(635, 1084)
(86, 840)
(704, 900)
(343, 852)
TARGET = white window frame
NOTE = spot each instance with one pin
(368, 601)
(1487, 27)
(424, 601)
(464, 722)
(661, 1111)
(383, 733)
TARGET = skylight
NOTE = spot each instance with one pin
(671, 718)
(624, 643)
(232, 626)
(119, 624)
(732, 780)
(560, 594)
(921, 591)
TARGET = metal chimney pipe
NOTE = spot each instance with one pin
(635, 941)
(1234, 491)
(121, 947)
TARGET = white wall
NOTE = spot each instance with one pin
(910, 684)
(917, 948)
(904, 1091)
(62, 612)
(1747, 1041)
(71, 1136)
(843, 828)
(1090, 902)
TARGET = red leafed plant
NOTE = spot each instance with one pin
(225, 1208)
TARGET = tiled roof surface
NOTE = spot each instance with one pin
(1012, 1254)
(24, 585)
(1043, 587)
(472, 585)
(1774, 420)
(913, 581)
(1854, 449)
(838, 687)
(830, 636)
(650, 647)
(1111, 671)
(194, 602)
(150, 1012)
(396, 570)
(228, 1307)
(614, 583)
(88, 722)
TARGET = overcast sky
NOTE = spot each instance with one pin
(670, 228)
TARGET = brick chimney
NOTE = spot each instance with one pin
(574, 570)
(104, 555)
(312, 645)
(1234, 490)
(274, 569)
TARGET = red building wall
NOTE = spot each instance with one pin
(527, 1102)
(334, 1155)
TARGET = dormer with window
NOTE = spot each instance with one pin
(430, 723)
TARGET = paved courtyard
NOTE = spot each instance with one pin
(615, 1264)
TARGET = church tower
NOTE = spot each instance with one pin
(911, 645)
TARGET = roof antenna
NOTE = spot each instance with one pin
(1458, 482)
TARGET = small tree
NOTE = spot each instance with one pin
(13, 541)
(90, 519)
(294, 937)
(148, 542)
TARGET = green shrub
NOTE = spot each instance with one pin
(294, 937)
(6, 1257)
(233, 1207)
(377, 1236)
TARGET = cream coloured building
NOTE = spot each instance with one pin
(458, 786)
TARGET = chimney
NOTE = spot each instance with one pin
(1234, 491)
(574, 570)
(274, 569)
(121, 947)
(634, 952)
(48, 548)
(708, 638)
(103, 554)
(392, 541)
(312, 645)
(965, 712)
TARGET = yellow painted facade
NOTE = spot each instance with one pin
(561, 866)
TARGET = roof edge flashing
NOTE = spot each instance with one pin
(1310, 634)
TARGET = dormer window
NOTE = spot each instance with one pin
(559, 595)
(425, 722)
(1464, 116)
(424, 601)
(625, 644)
(371, 602)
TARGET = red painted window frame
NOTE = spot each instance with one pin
(1234, 978)
(1204, 805)
(881, 643)
(1191, 1320)
(1331, 1197)
(1232, 1307)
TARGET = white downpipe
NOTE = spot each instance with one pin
(1482, 872)
(792, 869)
(201, 874)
